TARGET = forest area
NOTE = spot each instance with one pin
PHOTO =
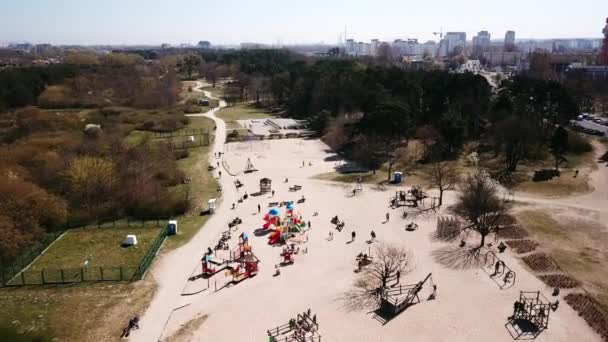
(66, 157)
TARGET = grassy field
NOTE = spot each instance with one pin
(77, 312)
(101, 245)
(241, 111)
(202, 186)
(577, 244)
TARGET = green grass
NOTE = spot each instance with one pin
(103, 245)
(577, 245)
(241, 111)
(202, 187)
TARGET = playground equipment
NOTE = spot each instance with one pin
(448, 228)
(286, 227)
(212, 204)
(265, 185)
(238, 183)
(339, 224)
(295, 188)
(410, 197)
(303, 328)
(235, 222)
(288, 253)
(410, 227)
(249, 168)
(530, 315)
(501, 274)
(211, 267)
(394, 300)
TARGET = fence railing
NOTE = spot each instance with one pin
(146, 261)
(15, 274)
(181, 133)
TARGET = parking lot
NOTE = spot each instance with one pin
(589, 126)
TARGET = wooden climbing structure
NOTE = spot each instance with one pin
(303, 328)
(411, 198)
(249, 168)
(394, 300)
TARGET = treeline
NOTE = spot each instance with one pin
(370, 110)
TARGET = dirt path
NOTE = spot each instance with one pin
(596, 201)
(172, 270)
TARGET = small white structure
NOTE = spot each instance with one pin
(172, 227)
(130, 240)
(191, 139)
(212, 205)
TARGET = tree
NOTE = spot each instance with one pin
(514, 137)
(559, 145)
(387, 127)
(91, 179)
(444, 176)
(479, 203)
(386, 262)
(190, 63)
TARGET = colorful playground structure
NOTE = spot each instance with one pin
(303, 328)
(242, 264)
(283, 228)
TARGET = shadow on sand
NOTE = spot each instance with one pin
(458, 258)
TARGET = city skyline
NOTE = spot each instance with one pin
(64, 22)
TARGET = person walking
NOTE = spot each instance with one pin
(220, 174)
(388, 216)
(353, 235)
(398, 275)
(272, 193)
(259, 209)
(373, 234)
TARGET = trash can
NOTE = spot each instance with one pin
(398, 176)
(172, 227)
(211, 204)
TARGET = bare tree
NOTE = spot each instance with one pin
(480, 204)
(444, 176)
(388, 262)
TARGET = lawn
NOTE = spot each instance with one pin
(202, 187)
(576, 244)
(102, 246)
(241, 111)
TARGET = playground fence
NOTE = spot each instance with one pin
(181, 133)
(15, 273)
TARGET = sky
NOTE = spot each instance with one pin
(89, 22)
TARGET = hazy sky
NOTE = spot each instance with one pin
(288, 22)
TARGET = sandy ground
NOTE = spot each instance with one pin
(470, 306)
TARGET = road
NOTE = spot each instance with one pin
(172, 270)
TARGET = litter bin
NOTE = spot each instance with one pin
(172, 227)
(398, 176)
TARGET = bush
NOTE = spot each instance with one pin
(545, 175)
(577, 144)
(181, 154)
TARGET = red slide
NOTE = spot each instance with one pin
(274, 237)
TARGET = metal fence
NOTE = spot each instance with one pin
(15, 274)
(181, 133)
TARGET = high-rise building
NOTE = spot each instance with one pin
(510, 41)
(481, 43)
(375, 46)
(205, 45)
(350, 46)
(454, 43)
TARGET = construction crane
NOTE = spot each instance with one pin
(440, 33)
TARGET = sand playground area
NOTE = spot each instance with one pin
(228, 275)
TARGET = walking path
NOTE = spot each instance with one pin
(172, 270)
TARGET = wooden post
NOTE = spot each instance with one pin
(62, 277)
(81, 275)
(42, 275)
(101, 272)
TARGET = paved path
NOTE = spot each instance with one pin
(171, 271)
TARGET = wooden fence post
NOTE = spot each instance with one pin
(42, 276)
(81, 275)
(62, 277)
(101, 272)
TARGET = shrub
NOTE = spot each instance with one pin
(181, 154)
(577, 144)
(544, 175)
